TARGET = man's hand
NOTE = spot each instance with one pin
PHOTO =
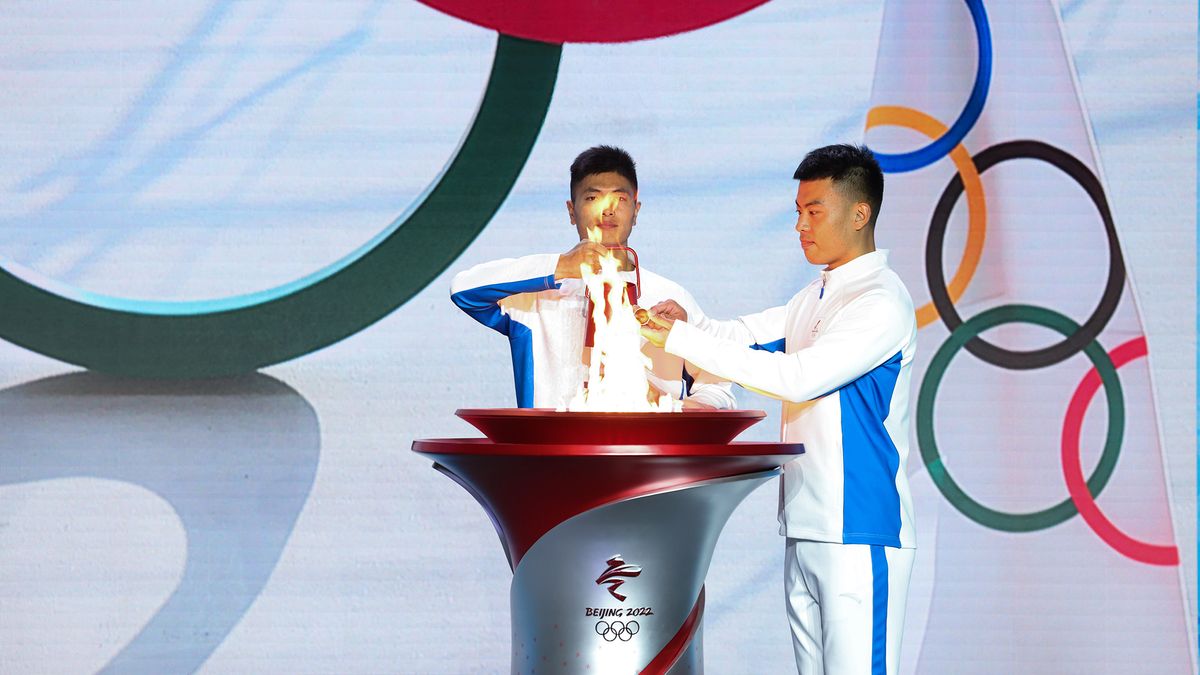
(585, 253)
(670, 309)
(662, 317)
(657, 328)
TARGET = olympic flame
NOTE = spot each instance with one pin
(617, 375)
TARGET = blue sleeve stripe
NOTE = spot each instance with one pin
(871, 506)
(688, 381)
(776, 346)
(483, 303)
(520, 342)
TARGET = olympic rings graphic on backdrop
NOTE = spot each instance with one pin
(988, 517)
(1083, 498)
(940, 147)
(243, 333)
(1091, 328)
(617, 630)
(976, 203)
(1081, 493)
(1076, 338)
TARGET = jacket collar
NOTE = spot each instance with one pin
(861, 266)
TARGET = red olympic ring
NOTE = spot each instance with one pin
(1151, 554)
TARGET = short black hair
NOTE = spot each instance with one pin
(853, 170)
(602, 159)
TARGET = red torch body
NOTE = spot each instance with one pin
(632, 291)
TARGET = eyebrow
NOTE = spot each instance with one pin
(815, 202)
(620, 189)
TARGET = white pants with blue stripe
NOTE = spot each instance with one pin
(846, 606)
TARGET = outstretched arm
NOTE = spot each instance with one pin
(864, 335)
(763, 330)
(701, 389)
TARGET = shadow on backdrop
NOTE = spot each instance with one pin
(235, 458)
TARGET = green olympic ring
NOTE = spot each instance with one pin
(243, 333)
(988, 517)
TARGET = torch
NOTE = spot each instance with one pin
(633, 291)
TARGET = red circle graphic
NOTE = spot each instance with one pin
(1126, 545)
(559, 21)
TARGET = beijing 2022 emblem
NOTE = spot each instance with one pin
(616, 623)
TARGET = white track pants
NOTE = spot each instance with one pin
(846, 606)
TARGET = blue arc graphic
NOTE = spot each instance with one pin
(911, 161)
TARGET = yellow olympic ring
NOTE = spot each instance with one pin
(976, 206)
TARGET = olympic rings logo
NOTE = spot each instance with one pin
(947, 142)
(617, 630)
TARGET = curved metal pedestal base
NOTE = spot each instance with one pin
(609, 540)
(620, 588)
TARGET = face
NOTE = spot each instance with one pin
(832, 228)
(607, 202)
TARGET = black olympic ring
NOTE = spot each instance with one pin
(617, 629)
(1072, 344)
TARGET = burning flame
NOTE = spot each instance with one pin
(617, 375)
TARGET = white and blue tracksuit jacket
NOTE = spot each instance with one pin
(839, 355)
(545, 320)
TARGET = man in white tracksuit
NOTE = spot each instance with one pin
(839, 355)
(538, 301)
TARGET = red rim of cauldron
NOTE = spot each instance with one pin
(547, 426)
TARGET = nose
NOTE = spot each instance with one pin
(801, 224)
(609, 207)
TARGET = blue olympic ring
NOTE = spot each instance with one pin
(911, 161)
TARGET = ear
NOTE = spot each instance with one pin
(637, 206)
(571, 211)
(862, 215)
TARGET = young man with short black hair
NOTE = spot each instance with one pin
(538, 301)
(839, 356)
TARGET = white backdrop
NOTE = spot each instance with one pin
(278, 522)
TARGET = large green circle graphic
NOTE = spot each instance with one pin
(926, 441)
(237, 335)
